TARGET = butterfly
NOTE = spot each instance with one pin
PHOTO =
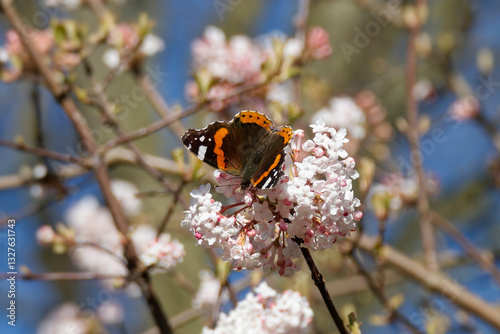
(249, 147)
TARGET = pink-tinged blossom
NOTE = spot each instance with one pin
(45, 235)
(99, 245)
(465, 108)
(230, 62)
(236, 60)
(266, 312)
(318, 43)
(314, 203)
(69, 318)
(394, 191)
(163, 253)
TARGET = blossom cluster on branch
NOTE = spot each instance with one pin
(314, 202)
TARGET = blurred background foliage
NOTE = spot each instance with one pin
(457, 37)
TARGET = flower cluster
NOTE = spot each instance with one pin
(14, 59)
(98, 245)
(222, 64)
(266, 312)
(125, 39)
(313, 205)
(394, 191)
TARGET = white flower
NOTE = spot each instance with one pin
(236, 61)
(94, 225)
(151, 45)
(4, 55)
(293, 48)
(208, 294)
(110, 313)
(266, 312)
(69, 318)
(111, 58)
(163, 253)
(125, 192)
(45, 235)
(344, 113)
(281, 93)
(68, 4)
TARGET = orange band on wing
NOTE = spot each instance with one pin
(255, 118)
(218, 137)
(275, 163)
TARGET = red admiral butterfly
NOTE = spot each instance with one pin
(249, 146)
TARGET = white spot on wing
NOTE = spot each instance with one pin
(202, 139)
(201, 152)
(269, 179)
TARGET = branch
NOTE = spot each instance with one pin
(44, 153)
(158, 125)
(470, 249)
(63, 276)
(426, 230)
(435, 282)
(320, 284)
(116, 156)
(100, 169)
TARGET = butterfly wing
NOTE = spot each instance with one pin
(213, 145)
(270, 168)
(261, 146)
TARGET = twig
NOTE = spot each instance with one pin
(173, 204)
(104, 106)
(469, 247)
(116, 156)
(44, 153)
(426, 230)
(320, 284)
(158, 102)
(379, 292)
(160, 124)
(63, 276)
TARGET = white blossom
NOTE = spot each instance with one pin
(69, 318)
(342, 112)
(266, 312)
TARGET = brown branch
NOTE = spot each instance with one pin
(426, 230)
(320, 284)
(158, 102)
(100, 169)
(104, 106)
(378, 291)
(116, 156)
(160, 124)
(63, 276)
(44, 153)
(435, 282)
